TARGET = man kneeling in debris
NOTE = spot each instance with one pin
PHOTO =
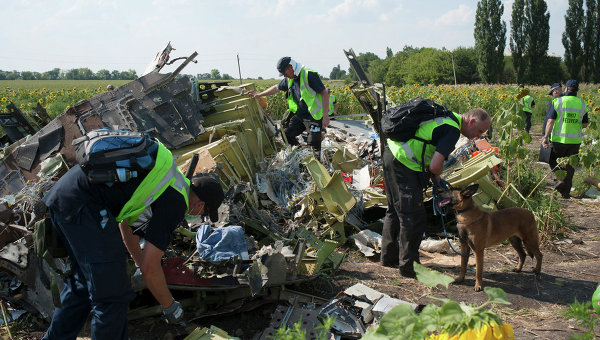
(307, 98)
(85, 216)
(405, 181)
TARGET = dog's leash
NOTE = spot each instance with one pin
(442, 209)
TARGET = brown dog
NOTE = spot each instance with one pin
(479, 229)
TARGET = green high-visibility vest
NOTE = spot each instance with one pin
(416, 154)
(164, 174)
(313, 100)
(567, 126)
(527, 101)
(331, 101)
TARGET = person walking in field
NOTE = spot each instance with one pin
(528, 106)
(564, 131)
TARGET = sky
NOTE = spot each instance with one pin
(127, 34)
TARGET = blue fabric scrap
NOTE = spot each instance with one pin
(221, 244)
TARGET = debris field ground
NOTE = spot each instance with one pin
(570, 271)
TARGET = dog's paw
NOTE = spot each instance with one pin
(537, 271)
(459, 279)
(478, 288)
(516, 270)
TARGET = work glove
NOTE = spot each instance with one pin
(174, 313)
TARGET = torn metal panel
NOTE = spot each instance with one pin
(332, 189)
(212, 333)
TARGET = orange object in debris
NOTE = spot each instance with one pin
(485, 147)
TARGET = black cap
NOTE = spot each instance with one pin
(554, 87)
(573, 84)
(210, 192)
(282, 64)
(521, 86)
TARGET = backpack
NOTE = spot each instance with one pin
(109, 156)
(400, 123)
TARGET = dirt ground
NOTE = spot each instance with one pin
(570, 270)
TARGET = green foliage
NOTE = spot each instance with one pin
(518, 39)
(337, 73)
(572, 38)
(297, 333)
(465, 63)
(451, 317)
(432, 278)
(537, 26)
(586, 318)
(490, 39)
(591, 41)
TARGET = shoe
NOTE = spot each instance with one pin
(409, 273)
(389, 265)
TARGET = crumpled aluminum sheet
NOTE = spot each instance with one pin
(288, 183)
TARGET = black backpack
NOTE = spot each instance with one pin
(109, 156)
(400, 123)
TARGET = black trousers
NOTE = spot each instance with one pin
(298, 125)
(564, 150)
(405, 217)
(528, 121)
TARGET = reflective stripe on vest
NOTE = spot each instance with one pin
(567, 127)
(527, 100)
(409, 153)
(164, 174)
(331, 101)
(313, 100)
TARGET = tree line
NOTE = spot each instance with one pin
(83, 73)
(486, 62)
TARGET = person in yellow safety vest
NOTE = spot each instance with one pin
(85, 215)
(332, 103)
(405, 180)
(528, 106)
(564, 131)
(307, 98)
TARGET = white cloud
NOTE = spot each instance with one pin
(388, 15)
(461, 15)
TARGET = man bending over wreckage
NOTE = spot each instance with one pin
(85, 216)
(405, 180)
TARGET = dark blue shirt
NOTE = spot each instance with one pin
(444, 138)
(314, 82)
(73, 191)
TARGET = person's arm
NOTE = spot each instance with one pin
(437, 164)
(132, 242)
(549, 127)
(271, 90)
(325, 96)
(154, 276)
(335, 109)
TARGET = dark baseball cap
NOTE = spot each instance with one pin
(282, 64)
(210, 192)
(572, 83)
(521, 86)
(554, 87)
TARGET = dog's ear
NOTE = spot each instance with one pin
(470, 190)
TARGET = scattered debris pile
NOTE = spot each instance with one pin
(285, 212)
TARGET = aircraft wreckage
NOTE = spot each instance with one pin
(293, 210)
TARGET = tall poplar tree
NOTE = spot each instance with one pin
(537, 26)
(518, 39)
(573, 38)
(591, 41)
(490, 39)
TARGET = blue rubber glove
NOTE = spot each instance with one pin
(173, 313)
